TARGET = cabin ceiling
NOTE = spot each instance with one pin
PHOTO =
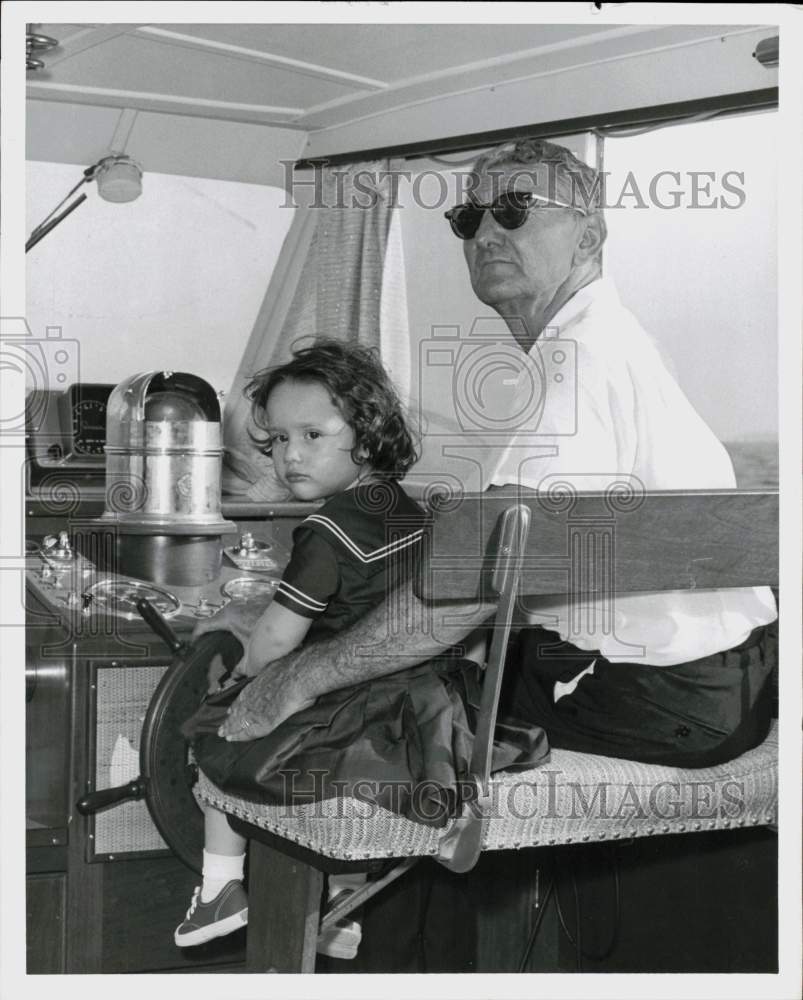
(295, 75)
(219, 99)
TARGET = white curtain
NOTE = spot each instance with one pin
(340, 274)
(394, 322)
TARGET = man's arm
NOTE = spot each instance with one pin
(399, 633)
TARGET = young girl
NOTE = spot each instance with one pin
(335, 430)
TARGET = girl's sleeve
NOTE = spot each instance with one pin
(312, 576)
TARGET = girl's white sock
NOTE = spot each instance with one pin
(218, 871)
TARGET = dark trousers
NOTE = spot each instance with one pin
(695, 714)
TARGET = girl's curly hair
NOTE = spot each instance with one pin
(361, 390)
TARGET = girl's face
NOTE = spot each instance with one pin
(311, 442)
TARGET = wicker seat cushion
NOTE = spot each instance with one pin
(576, 797)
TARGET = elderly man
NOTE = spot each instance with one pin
(682, 677)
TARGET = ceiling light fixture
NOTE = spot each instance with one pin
(119, 178)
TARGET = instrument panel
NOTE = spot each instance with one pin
(66, 434)
(87, 409)
(70, 584)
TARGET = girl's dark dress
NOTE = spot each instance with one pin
(401, 741)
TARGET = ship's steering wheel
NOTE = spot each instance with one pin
(167, 773)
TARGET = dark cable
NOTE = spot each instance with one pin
(608, 950)
(561, 918)
(576, 941)
(578, 947)
(534, 932)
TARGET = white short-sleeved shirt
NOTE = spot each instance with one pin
(611, 410)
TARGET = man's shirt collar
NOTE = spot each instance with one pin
(601, 291)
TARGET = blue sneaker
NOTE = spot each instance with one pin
(227, 912)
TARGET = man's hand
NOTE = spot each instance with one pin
(267, 701)
(391, 637)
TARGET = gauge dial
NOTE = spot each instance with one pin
(246, 588)
(89, 427)
(119, 597)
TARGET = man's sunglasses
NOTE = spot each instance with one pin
(509, 210)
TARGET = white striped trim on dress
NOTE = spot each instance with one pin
(294, 594)
(351, 545)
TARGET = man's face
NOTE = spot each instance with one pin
(529, 263)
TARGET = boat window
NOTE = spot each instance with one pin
(692, 238)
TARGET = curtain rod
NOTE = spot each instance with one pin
(748, 100)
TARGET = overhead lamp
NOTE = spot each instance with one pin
(119, 180)
(767, 52)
